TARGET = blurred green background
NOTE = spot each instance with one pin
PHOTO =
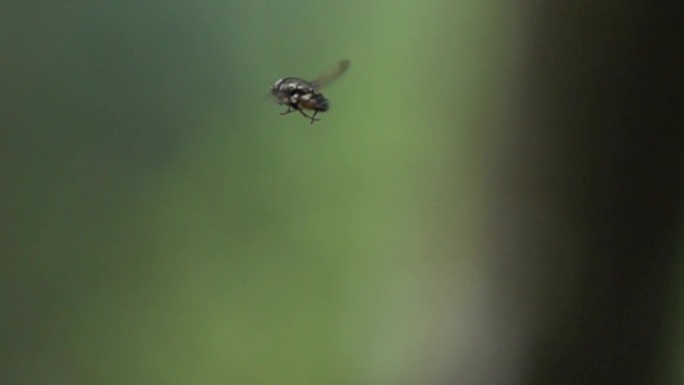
(163, 224)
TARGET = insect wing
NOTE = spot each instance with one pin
(331, 75)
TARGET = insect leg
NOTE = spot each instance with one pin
(289, 109)
(313, 118)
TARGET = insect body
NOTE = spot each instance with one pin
(299, 95)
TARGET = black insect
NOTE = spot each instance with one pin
(299, 95)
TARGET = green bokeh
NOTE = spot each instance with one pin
(165, 225)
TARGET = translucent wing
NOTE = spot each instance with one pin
(331, 75)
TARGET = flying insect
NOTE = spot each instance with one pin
(300, 95)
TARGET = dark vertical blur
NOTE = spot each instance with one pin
(589, 190)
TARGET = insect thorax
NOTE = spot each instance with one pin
(293, 85)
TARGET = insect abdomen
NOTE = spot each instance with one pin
(314, 101)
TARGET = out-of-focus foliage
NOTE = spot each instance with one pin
(162, 224)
